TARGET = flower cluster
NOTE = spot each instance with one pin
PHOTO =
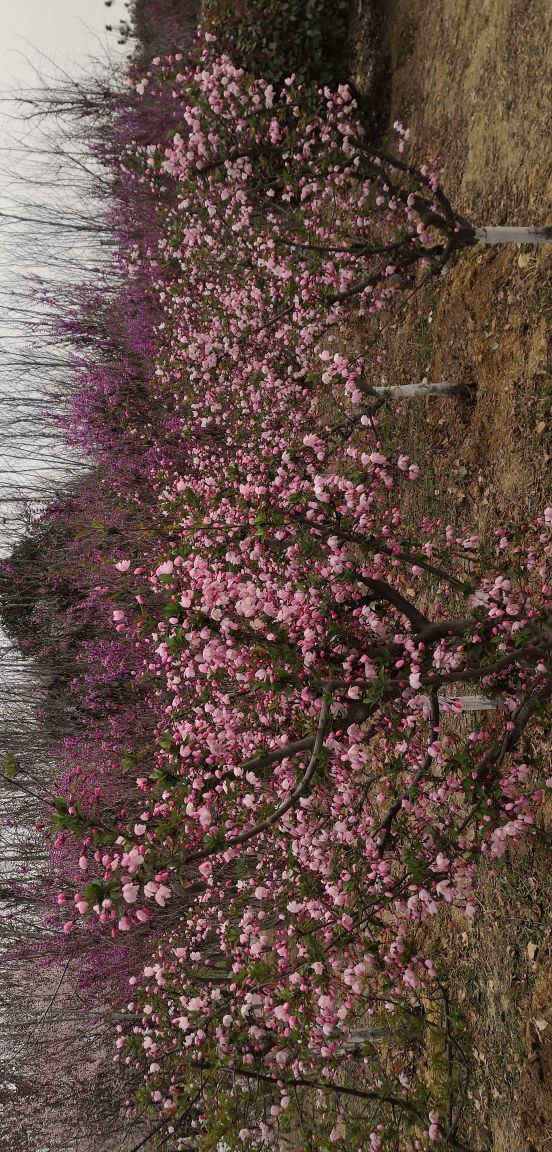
(309, 797)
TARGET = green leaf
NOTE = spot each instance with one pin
(94, 892)
(12, 767)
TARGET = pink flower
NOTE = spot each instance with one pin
(162, 895)
(433, 1126)
(165, 569)
(130, 893)
(123, 565)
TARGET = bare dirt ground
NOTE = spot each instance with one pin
(472, 79)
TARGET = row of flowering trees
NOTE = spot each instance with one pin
(299, 721)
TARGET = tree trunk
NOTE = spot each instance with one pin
(473, 703)
(414, 391)
(541, 235)
(359, 1036)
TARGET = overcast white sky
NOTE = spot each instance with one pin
(35, 36)
(65, 30)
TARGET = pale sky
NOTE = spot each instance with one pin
(35, 37)
(64, 30)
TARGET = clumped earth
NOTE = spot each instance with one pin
(473, 82)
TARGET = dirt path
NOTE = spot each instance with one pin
(472, 79)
